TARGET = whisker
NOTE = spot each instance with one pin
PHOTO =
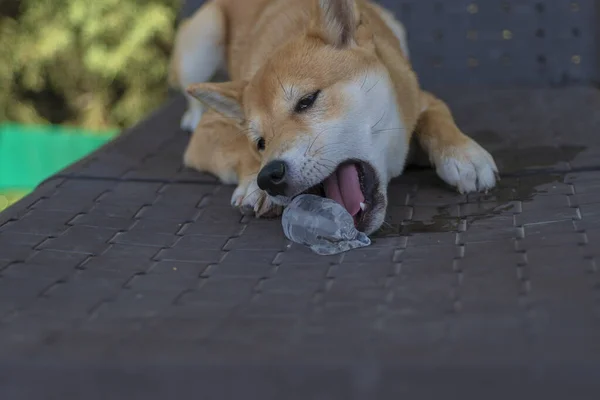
(287, 95)
(250, 194)
(387, 225)
(362, 85)
(326, 150)
(324, 162)
(329, 145)
(373, 87)
(388, 130)
(325, 170)
(380, 119)
(321, 162)
(315, 139)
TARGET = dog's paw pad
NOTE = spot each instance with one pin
(469, 168)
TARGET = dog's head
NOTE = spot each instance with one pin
(324, 114)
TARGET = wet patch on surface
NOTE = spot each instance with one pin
(432, 207)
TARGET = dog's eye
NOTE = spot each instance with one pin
(307, 102)
(260, 144)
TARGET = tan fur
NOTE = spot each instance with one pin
(278, 51)
(218, 147)
(252, 19)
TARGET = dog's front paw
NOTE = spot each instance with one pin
(469, 168)
(250, 199)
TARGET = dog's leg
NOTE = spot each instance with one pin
(458, 159)
(199, 52)
(218, 147)
(249, 198)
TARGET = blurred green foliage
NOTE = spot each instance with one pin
(91, 63)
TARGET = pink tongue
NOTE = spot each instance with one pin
(343, 186)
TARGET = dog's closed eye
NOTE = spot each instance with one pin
(260, 144)
(307, 102)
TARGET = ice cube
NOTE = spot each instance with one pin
(322, 224)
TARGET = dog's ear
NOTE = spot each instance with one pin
(225, 98)
(339, 20)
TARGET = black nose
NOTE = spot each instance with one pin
(271, 178)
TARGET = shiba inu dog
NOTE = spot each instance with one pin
(322, 99)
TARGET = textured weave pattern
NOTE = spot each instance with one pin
(128, 259)
(129, 277)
